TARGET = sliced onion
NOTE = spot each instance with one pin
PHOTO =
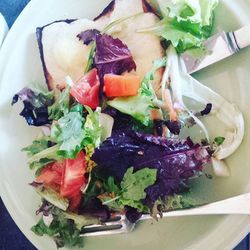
(106, 122)
(47, 219)
(183, 84)
(85, 187)
(46, 130)
(220, 168)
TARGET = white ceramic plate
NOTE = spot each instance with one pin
(20, 65)
(3, 29)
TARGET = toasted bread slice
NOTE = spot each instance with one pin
(63, 54)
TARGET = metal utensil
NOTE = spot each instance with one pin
(219, 46)
(238, 205)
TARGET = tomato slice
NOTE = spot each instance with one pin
(73, 176)
(86, 89)
(67, 178)
(51, 175)
(125, 85)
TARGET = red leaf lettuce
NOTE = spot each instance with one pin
(176, 160)
(112, 56)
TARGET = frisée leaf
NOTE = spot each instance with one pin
(69, 133)
(37, 146)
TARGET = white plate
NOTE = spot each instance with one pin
(20, 65)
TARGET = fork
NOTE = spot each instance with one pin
(237, 205)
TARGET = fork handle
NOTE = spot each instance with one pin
(242, 36)
(235, 205)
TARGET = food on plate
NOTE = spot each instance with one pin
(119, 134)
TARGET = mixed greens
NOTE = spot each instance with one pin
(116, 142)
(184, 23)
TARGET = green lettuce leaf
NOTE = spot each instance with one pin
(135, 204)
(91, 57)
(77, 108)
(179, 202)
(68, 132)
(92, 128)
(40, 154)
(37, 146)
(110, 185)
(131, 191)
(134, 184)
(184, 23)
(219, 140)
(81, 220)
(137, 106)
(175, 202)
(65, 227)
(38, 165)
(64, 232)
(207, 8)
(49, 153)
(73, 133)
(53, 197)
(146, 88)
(91, 136)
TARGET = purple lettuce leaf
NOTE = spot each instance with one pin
(132, 214)
(95, 208)
(158, 127)
(124, 122)
(207, 109)
(36, 104)
(112, 56)
(88, 36)
(121, 121)
(173, 126)
(45, 208)
(176, 160)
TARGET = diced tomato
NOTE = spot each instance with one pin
(86, 89)
(73, 176)
(125, 85)
(67, 178)
(51, 175)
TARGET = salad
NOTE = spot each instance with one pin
(122, 122)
